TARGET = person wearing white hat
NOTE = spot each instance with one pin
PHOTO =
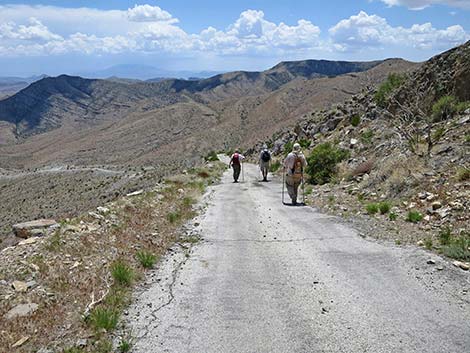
(294, 166)
(264, 160)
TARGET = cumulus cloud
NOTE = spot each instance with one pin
(46, 30)
(148, 13)
(364, 31)
(422, 4)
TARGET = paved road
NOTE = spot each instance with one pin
(271, 278)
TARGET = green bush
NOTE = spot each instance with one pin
(124, 346)
(445, 236)
(288, 148)
(304, 143)
(211, 157)
(444, 108)
(462, 107)
(463, 174)
(414, 216)
(384, 207)
(355, 120)
(392, 216)
(366, 137)
(385, 89)
(458, 248)
(173, 217)
(274, 166)
(104, 318)
(146, 259)
(372, 208)
(428, 243)
(122, 273)
(322, 162)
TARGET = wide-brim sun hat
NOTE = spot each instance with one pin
(296, 147)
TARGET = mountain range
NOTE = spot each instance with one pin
(72, 120)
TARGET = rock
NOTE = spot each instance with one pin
(28, 241)
(456, 206)
(427, 218)
(353, 142)
(135, 193)
(436, 205)
(420, 243)
(443, 149)
(21, 310)
(20, 286)
(71, 229)
(463, 265)
(465, 119)
(20, 342)
(45, 350)
(431, 262)
(31, 284)
(102, 210)
(423, 195)
(81, 343)
(96, 216)
(24, 230)
(440, 268)
(443, 212)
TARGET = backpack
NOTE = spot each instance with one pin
(298, 170)
(236, 159)
(265, 156)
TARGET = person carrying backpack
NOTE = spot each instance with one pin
(294, 166)
(264, 160)
(236, 163)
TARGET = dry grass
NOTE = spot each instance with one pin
(72, 267)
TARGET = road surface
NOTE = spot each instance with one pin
(273, 278)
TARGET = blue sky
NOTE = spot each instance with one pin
(60, 36)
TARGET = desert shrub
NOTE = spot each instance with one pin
(366, 137)
(384, 207)
(122, 273)
(463, 174)
(414, 216)
(385, 89)
(274, 166)
(392, 216)
(355, 120)
(211, 157)
(445, 236)
(288, 147)
(322, 162)
(124, 346)
(104, 318)
(428, 243)
(444, 108)
(305, 143)
(172, 217)
(372, 208)
(146, 259)
(458, 247)
(462, 107)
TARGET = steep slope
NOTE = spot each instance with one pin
(49, 103)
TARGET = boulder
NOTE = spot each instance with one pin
(33, 228)
(20, 286)
(21, 310)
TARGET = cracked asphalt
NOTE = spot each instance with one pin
(273, 278)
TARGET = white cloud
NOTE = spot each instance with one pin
(46, 30)
(35, 30)
(148, 13)
(421, 4)
(364, 31)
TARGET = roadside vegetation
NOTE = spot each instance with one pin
(89, 265)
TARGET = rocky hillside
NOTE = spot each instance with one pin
(397, 155)
(70, 143)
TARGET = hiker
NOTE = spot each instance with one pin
(294, 166)
(264, 159)
(236, 164)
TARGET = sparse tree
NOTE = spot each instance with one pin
(413, 119)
